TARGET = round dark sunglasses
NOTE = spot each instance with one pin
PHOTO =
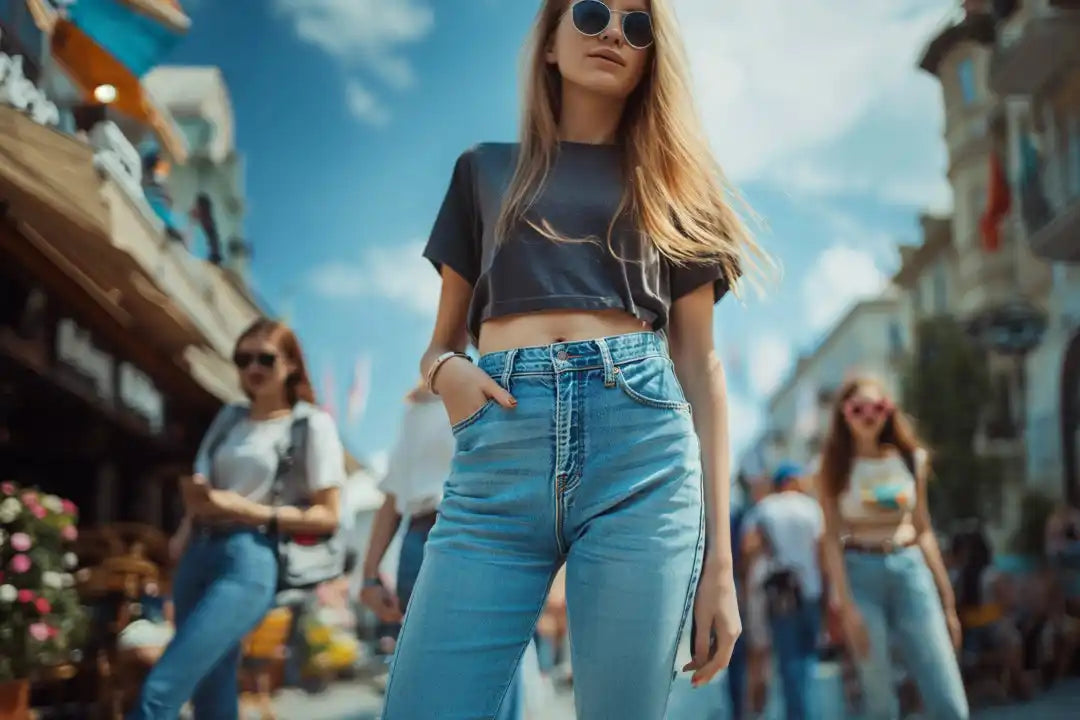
(263, 359)
(592, 17)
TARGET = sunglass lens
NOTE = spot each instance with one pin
(242, 360)
(267, 360)
(591, 17)
(637, 29)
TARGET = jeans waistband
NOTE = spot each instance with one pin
(602, 353)
(214, 532)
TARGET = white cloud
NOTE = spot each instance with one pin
(841, 276)
(399, 275)
(363, 34)
(781, 83)
(364, 105)
(768, 363)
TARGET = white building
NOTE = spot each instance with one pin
(869, 339)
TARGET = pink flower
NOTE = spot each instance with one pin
(42, 606)
(8, 488)
(69, 533)
(20, 542)
(20, 563)
(70, 508)
(39, 631)
(30, 497)
(38, 511)
(26, 596)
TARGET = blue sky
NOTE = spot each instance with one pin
(350, 114)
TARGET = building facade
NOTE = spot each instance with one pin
(1035, 66)
(115, 341)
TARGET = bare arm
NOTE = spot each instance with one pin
(702, 376)
(716, 611)
(832, 555)
(929, 545)
(450, 333)
(321, 517)
(383, 528)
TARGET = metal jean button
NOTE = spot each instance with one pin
(561, 355)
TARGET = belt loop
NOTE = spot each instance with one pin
(508, 367)
(609, 365)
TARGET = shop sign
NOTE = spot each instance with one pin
(17, 91)
(115, 156)
(116, 384)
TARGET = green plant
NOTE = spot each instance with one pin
(41, 620)
(946, 387)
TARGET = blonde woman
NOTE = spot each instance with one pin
(584, 264)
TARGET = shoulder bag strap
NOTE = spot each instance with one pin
(287, 455)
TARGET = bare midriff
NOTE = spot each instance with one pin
(895, 528)
(554, 326)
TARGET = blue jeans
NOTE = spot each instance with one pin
(896, 595)
(409, 563)
(794, 639)
(598, 465)
(223, 587)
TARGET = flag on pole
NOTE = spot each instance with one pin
(329, 404)
(358, 391)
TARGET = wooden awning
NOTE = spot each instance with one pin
(90, 66)
(52, 195)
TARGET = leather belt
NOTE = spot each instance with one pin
(425, 521)
(884, 547)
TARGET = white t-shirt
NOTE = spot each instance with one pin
(420, 460)
(792, 524)
(881, 488)
(247, 457)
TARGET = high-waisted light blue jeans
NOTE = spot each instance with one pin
(598, 466)
(899, 603)
(223, 587)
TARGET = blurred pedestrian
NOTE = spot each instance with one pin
(238, 502)
(882, 556)
(413, 485)
(786, 528)
(584, 264)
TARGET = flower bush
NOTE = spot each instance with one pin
(42, 623)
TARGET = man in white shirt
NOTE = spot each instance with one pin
(786, 527)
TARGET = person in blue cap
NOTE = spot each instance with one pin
(787, 527)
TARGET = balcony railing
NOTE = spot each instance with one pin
(1034, 43)
(1049, 194)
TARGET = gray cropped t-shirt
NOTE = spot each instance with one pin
(530, 272)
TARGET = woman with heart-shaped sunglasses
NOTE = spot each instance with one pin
(889, 583)
(583, 263)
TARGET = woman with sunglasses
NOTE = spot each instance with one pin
(583, 263)
(227, 577)
(889, 582)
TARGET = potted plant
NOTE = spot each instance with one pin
(42, 624)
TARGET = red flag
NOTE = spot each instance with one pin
(998, 204)
(358, 391)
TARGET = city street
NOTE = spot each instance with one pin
(359, 701)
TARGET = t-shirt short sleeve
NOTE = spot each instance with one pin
(325, 455)
(226, 416)
(456, 238)
(687, 277)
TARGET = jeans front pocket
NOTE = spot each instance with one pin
(652, 382)
(472, 418)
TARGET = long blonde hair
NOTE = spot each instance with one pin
(674, 187)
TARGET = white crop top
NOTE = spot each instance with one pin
(881, 489)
